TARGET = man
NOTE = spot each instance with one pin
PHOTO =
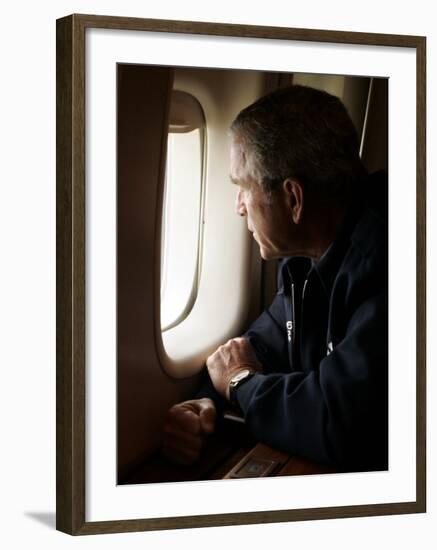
(310, 374)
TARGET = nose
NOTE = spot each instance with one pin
(240, 207)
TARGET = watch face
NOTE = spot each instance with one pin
(240, 376)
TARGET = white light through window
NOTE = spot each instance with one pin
(181, 221)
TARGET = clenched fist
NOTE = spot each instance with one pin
(186, 428)
(228, 360)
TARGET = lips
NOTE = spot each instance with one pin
(252, 231)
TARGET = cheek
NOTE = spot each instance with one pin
(261, 216)
(255, 219)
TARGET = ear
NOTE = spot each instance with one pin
(295, 197)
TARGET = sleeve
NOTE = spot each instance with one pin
(336, 414)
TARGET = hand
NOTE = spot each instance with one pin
(231, 358)
(186, 428)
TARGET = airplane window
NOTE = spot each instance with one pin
(182, 207)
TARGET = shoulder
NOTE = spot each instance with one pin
(369, 238)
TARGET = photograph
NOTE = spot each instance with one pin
(259, 199)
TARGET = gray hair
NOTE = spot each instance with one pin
(302, 133)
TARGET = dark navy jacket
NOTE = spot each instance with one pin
(323, 345)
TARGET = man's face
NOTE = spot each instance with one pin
(267, 219)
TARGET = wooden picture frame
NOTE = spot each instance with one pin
(71, 283)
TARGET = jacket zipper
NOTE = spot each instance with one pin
(301, 322)
(297, 337)
(293, 315)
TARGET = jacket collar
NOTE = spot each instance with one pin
(328, 265)
(297, 268)
(355, 226)
(360, 227)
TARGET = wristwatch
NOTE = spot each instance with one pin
(235, 382)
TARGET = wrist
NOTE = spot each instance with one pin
(236, 381)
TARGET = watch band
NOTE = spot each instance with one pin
(236, 382)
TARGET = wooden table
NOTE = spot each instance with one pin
(263, 461)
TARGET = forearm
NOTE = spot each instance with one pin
(306, 414)
(287, 412)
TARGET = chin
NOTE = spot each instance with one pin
(267, 254)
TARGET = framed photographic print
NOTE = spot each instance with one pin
(155, 272)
